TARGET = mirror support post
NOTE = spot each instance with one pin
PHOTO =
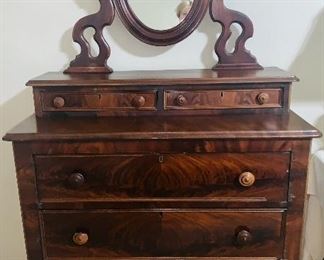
(85, 62)
(241, 58)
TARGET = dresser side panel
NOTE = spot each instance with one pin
(296, 198)
(28, 199)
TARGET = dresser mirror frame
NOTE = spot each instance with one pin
(239, 58)
(161, 37)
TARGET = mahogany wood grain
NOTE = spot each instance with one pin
(137, 100)
(163, 233)
(189, 177)
(85, 92)
(268, 126)
(99, 101)
(119, 147)
(296, 190)
(217, 99)
(163, 187)
(156, 146)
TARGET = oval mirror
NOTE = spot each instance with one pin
(161, 22)
(161, 14)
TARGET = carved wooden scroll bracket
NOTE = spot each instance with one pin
(240, 58)
(85, 62)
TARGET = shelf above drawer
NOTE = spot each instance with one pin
(163, 77)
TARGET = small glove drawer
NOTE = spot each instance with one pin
(155, 100)
(78, 102)
(222, 99)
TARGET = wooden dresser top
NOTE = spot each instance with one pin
(263, 126)
(165, 77)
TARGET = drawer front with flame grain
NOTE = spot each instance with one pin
(215, 178)
(162, 233)
(69, 102)
(223, 99)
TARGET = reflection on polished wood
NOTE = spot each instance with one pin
(160, 233)
(165, 77)
(217, 127)
(209, 177)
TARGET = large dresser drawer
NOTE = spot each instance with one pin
(223, 177)
(162, 234)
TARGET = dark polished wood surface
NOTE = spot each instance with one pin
(218, 99)
(171, 100)
(84, 61)
(240, 58)
(195, 164)
(25, 152)
(165, 177)
(287, 125)
(148, 187)
(99, 101)
(50, 154)
(28, 200)
(163, 233)
(165, 77)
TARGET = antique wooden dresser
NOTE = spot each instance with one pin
(193, 164)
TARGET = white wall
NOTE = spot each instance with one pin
(36, 37)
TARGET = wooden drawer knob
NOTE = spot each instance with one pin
(181, 100)
(263, 98)
(138, 101)
(80, 239)
(58, 102)
(76, 180)
(243, 238)
(247, 179)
